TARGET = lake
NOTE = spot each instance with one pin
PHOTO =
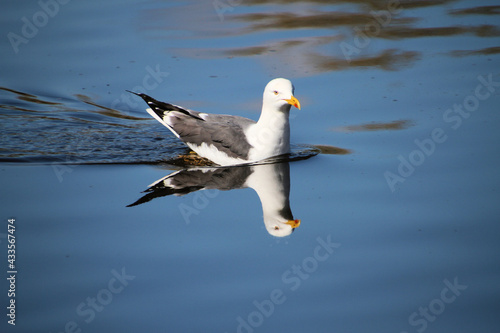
(391, 196)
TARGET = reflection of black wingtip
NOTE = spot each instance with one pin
(138, 202)
(143, 199)
(160, 191)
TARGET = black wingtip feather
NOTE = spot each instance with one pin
(160, 107)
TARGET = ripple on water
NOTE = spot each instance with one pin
(47, 130)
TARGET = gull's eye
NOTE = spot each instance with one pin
(275, 92)
(276, 228)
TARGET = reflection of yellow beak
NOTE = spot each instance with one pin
(293, 101)
(293, 223)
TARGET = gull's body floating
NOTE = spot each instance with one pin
(232, 140)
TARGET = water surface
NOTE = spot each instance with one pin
(399, 212)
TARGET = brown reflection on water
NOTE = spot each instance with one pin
(485, 51)
(334, 34)
(397, 28)
(105, 111)
(27, 98)
(278, 46)
(388, 60)
(263, 21)
(373, 126)
(483, 10)
(332, 150)
(409, 32)
(37, 104)
(370, 4)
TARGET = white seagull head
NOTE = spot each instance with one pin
(278, 95)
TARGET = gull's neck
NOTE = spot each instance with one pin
(271, 134)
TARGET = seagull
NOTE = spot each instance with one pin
(231, 140)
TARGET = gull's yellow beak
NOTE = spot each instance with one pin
(293, 101)
(293, 223)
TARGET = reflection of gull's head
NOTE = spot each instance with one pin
(272, 184)
(278, 227)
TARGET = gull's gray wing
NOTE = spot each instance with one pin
(226, 133)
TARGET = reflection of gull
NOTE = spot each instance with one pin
(270, 181)
(231, 140)
(272, 184)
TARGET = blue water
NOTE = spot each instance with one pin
(399, 213)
